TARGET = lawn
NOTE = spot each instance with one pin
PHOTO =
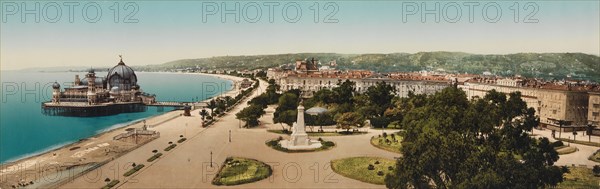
(566, 150)
(358, 168)
(579, 142)
(580, 177)
(595, 156)
(341, 133)
(274, 143)
(389, 144)
(238, 170)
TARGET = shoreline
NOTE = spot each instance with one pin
(111, 128)
(53, 156)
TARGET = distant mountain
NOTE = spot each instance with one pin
(63, 69)
(545, 65)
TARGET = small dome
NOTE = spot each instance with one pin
(316, 111)
(55, 85)
(91, 70)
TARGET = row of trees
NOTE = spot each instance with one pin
(257, 105)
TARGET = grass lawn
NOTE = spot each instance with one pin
(380, 142)
(341, 133)
(579, 142)
(580, 177)
(358, 168)
(238, 170)
(274, 143)
(595, 156)
(566, 150)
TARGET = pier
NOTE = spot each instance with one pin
(84, 109)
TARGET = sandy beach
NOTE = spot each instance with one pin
(50, 169)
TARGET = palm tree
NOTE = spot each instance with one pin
(203, 113)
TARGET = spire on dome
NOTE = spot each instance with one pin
(121, 62)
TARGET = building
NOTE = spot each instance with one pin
(307, 77)
(552, 101)
(594, 108)
(117, 92)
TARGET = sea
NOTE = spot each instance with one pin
(25, 131)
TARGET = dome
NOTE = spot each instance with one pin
(55, 85)
(316, 111)
(121, 76)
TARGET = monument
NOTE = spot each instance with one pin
(299, 139)
(299, 136)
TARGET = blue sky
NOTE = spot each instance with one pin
(171, 30)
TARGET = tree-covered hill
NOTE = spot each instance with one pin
(546, 65)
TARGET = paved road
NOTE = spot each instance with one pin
(577, 158)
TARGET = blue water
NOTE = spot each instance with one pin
(25, 131)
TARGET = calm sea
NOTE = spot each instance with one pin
(25, 131)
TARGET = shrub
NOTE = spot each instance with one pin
(327, 143)
(135, 169)
(390, 168)
(371, 167)
(384, 135)
(154, 151)
(111, 184)
(380, 173)
(170, 147)
(596, 170)
(181, 140)
(376, 162)
(557, 144)
(154, 157)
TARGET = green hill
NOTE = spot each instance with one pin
(545, 65)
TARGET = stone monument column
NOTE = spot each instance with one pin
(299, 136)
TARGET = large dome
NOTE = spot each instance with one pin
(121, 76)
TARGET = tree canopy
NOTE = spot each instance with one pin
(451, 142)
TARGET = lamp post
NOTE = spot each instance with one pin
(211, 159)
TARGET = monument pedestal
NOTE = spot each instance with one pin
(299, 139)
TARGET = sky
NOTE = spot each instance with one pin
(72, 33)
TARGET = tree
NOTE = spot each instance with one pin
(203, 113)
(250, 115)
(596, 170)
(344, 92)
(287, 101)
(260, 100)
(490, 136)
(271, 92)
(349, 120)
(212, 104)
(381, 96)
(286, 109)
(288, 117)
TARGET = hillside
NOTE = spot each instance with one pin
(546, 65)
